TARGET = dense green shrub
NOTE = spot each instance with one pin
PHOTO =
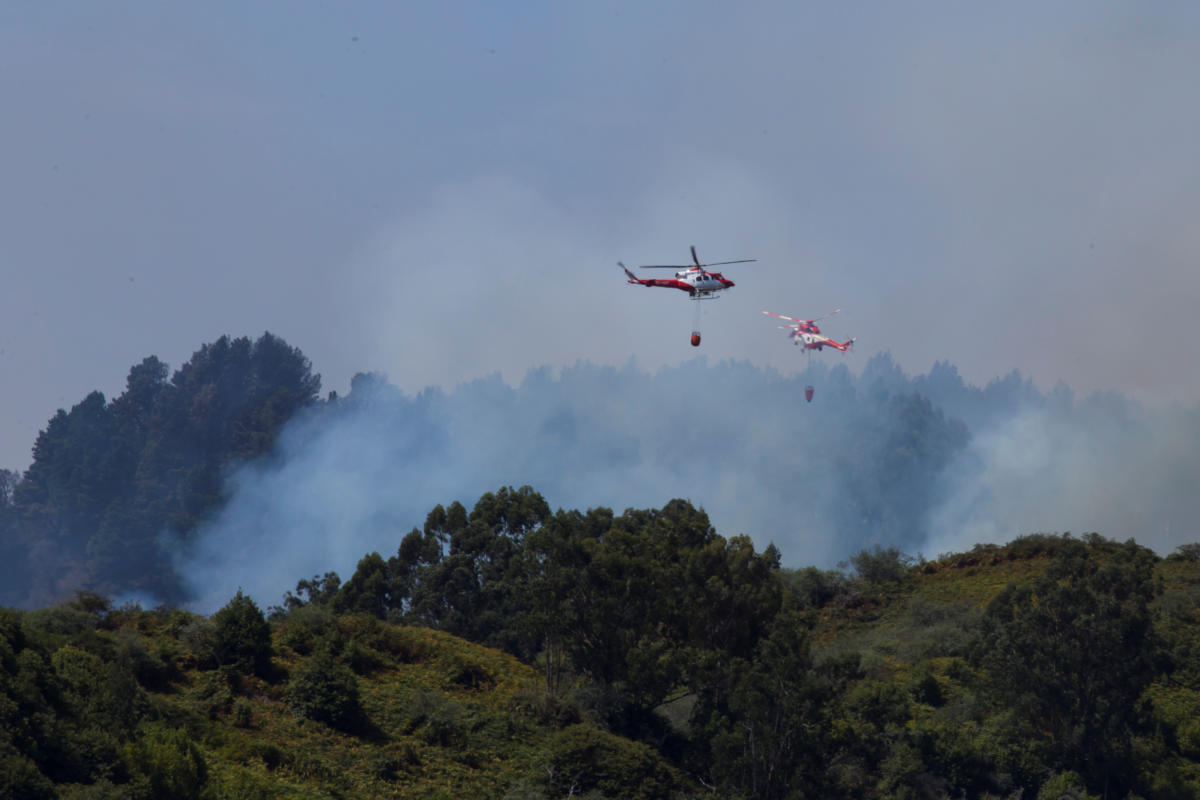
(881, 565)
(20, 777)
(306, 627)
(1065, 786)
(242, 637)
(325, 691)
(584, 759)
(813, 587)
(243, 714)
(168, 764)
(444, 725)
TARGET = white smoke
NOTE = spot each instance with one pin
(865, 464)
(1107, 466)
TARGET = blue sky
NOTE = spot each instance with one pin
(440, 191)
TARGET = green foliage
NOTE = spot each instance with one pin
(881, 565)
(583, 759)
(109, 478)
(242, 785)
(147, 667)
(243, 714)
(558, 709)
(923, 686)
(242, 637)
(361, 658)
(306, 627)
(444, 724)
(813, 587)
(468, 673)
(1065, 786)
(1188, 552)
(661, 650)
(20, 777)
(320, 591)
(168, 764)
(29, 701)
(937, 630)
(1039, 545)
(368, 591)
(197, 636)
(63, 622)
(325, 691)
(760, 717)
(216, 690)
(102, 694)
(1075, 651)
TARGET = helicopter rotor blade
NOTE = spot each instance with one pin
(719, 263)
(695, 258)
(782, 316)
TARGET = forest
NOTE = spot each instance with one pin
(510, 648)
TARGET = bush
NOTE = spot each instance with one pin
(271, 756)
(445, 726)
(361, 658)
(1189, 552)
(1064, 786)
(20, 777)
(384, 766)
(880, 565)
(169, 763)
(242, 637)
(103, 789)
(197, 637)
(584, 759)
(936, 630)
(69, 622)
(813, 587)
(241, 785)
(558, 709)
(306, 627)
(149, 669)
(924, 686)
(243, 714)
(325, 691)
(100, 694)
(467, 673)
(402, 643)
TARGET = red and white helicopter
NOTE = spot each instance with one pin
(695, 279)
(806, 332)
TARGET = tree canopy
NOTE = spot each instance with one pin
(109, 479)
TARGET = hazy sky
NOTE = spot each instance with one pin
(440, 191)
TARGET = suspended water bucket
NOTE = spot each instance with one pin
(808, 393)
(695, 338)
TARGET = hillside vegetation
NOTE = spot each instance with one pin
(103, 702)
(1051, 667)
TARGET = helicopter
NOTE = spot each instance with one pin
(806, 332)
(695, 279)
